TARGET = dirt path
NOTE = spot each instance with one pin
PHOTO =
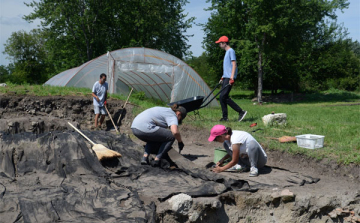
(290, 189)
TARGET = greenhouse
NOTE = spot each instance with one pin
(158, 74)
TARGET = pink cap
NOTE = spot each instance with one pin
(223, 39)
(217, 130)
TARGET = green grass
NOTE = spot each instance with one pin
(40, 90)
(316, 114)
(320, 114)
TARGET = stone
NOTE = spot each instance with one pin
(287, 195)
(180, 203)
(333, 214)
(32, 111)
(194, 216)
(48, 110)
(3, 85)
(274, 119)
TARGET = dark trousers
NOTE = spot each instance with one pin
(158, 142)
(225, 100)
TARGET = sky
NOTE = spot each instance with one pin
(12, 11)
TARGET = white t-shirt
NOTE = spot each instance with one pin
(241, 137)
(99, 90)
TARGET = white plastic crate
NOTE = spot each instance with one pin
(310, 141)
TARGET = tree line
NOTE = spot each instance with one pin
(293, 45)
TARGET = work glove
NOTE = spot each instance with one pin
(231, 82)
(181, 146)
(105, 103)
(221, 80)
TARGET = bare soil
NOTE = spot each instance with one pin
(319, 190)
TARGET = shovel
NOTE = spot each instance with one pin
(284, 138)
(112, 120)
(101, 151)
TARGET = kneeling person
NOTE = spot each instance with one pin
(151, 126)
(244, 150)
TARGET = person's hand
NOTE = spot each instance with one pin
(219, 163)
(231, 82)
(181, 146)
(221, 80)
(97, 98)
(105, 103)
(217, 169)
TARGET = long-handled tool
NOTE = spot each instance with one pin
(101, 151)
(111, 119)
(122, 111)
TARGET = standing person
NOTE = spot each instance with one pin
(99, 93)
(151, 126)
(229, 76)
(244, 150)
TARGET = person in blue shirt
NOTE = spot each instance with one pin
(228, 77)
(99, 93)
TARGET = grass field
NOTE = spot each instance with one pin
(334, 114)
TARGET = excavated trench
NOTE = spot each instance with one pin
(49, 173)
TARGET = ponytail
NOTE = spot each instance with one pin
(228, 131)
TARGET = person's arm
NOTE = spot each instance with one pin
(221, 161)
(175, 131)
(95, 96)
(234, 160)
(233, 64)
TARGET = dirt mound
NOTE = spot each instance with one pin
(49, 173)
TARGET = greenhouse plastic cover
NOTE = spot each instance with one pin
(156, 73)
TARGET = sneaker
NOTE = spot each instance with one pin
(144, 161)
(237, 168)
(253, 172)
(242, 115)
(224, 120)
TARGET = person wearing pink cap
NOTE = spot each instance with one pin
(228, 77)
(245, 152)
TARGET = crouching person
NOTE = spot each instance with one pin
(151, 126)
(245, 152)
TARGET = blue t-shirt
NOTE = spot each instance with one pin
(152, 119)
(99, 90)
(227, 66)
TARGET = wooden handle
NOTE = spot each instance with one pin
(81, 133)
(125, 105)
(111, 118)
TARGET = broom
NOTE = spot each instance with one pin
(101, 151)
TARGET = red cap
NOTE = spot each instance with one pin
(217, 130)
(224, 39)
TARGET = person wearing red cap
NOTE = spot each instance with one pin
(228, 77)
(241, 147)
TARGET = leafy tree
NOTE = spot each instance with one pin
(201, 66)
(273, 39)
(4, 74)
(27, 52)
(80, 30)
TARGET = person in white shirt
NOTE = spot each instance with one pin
(99, 93)
(245, 152)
